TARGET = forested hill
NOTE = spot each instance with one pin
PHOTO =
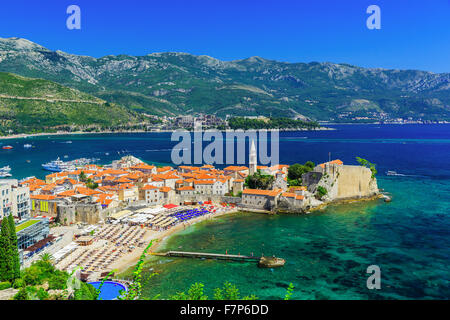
(36, 105)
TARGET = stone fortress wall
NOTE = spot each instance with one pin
(355, 182)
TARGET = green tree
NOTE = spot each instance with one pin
(82, 177)
(46, 257)
(259, 181)
(58, 280)
(22, 294)
(367, 164)
(195, 292)
(321, 192)
(310, 165)
(227, 292)
(14, 250)
(90, 184)
(6, 261)
(296, 171)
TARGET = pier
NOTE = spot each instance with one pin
(262, 261)
(218, 256)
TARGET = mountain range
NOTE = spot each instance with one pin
(180, 83)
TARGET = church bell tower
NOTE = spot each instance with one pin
(253, 159)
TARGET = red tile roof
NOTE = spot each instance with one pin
(186, 188)
(42, 197)
(148, 187)
(235, 168)
(337, 161)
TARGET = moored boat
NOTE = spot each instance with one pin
(58, 166)
(271, 262)
(5, 169)
(5, 175)
(4, 172)
(7, 147)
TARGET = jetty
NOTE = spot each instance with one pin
(218, 256)
(262, 261)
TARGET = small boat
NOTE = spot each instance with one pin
(271, 262)
(27, 146)
(7, 147)
(393, 173)
(4, 172)
(5, 175)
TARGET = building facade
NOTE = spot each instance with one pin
(14, 200)
(32, 231)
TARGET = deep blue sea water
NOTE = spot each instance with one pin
(327, 252)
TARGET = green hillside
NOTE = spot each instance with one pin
(36, 105)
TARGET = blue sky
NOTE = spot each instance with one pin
(414, 34)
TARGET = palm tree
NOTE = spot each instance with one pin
(46, 257)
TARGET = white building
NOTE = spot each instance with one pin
(151, 195)
(220, 187)
(260, 199)
(14, 199)
(204, 186)
(186, 191)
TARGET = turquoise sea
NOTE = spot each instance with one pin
(328, 251)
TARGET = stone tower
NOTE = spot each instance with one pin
(253, 159)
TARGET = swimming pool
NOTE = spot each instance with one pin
(110, 289)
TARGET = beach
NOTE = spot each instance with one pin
(128, 261)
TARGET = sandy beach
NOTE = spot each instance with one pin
(130, 260)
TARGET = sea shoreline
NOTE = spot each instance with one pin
(323, 128)
(43, 134)
(127, 263)
(124, 266)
